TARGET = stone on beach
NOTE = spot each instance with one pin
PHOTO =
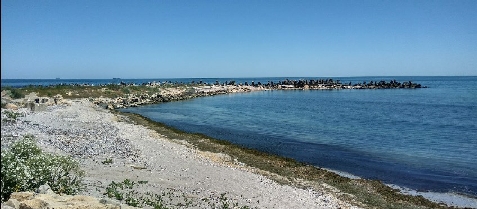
(30, 200)
(11, 106)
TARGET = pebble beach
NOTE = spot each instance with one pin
(93, 135)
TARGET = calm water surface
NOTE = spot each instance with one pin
(423, 139)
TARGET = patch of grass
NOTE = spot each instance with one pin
(113, 87)
(123, 191)
(126, 91)
(362, 192)
(107, 161)
(75, 92)
(11, 117)
(126, 192)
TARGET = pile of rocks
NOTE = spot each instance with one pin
(32, 102)
(168, 95)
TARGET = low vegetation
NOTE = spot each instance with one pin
(127, 192)
(14, 93)
(25, 168)
(11, 117)
(107, 161)
(74, 91)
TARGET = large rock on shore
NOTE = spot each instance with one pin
(46, 198)
(11, 106)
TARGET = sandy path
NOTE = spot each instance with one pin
(92, 135)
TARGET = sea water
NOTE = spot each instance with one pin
(422, 139)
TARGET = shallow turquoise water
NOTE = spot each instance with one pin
(423, 139)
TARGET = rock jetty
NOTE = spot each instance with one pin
(170, 94)
(199, 89)
(295, 84)
(168, 91)
(337, 84)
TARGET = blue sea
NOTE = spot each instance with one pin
(422, 139)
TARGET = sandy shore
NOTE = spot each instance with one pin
(92, 135)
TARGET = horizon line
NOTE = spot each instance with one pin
(113, 78)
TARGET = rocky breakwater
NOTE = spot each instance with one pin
(171, 94)
(324, 84)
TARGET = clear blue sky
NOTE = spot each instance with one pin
(240, 38)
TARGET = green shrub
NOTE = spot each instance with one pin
(12, 116)
(126, 91)
(107, 161)
(15, 93)
(113, 87)
(25, 168)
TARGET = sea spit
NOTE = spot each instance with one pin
(92, 134)
(200, 89)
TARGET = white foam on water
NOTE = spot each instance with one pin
(342, 173)
(451, 199)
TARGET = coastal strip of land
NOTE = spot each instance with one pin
(123, 95)
(195, 171)
(93, 135)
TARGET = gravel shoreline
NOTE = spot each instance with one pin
(91, 135)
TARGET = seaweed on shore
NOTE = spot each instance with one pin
(362, 192)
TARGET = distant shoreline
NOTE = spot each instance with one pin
(207, 81)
